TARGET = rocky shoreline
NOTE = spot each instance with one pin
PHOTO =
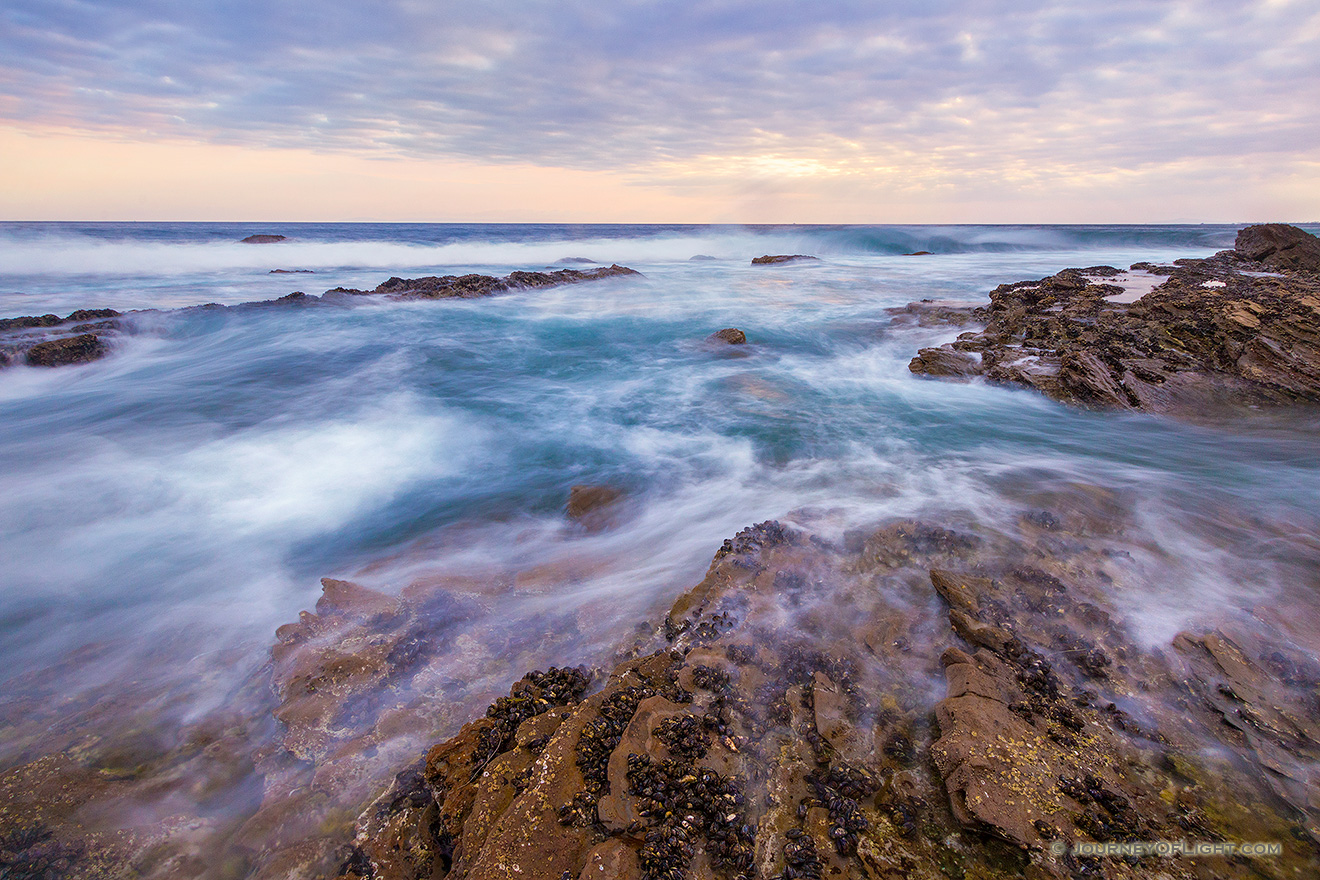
(1239, 328)
(87, 334)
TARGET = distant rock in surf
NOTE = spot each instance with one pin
(262, 239)
(582, 260)
(701, 258)
(917, 254)
(290, 272)
(774, 259)
(730, 335)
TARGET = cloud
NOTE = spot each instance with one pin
(945, 90)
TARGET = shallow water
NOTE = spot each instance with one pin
(162, 511)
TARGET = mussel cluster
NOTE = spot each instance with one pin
(535, 693)
(685, 737)
(1115, 817)
(687, 804)
(801, 860)
(597, 742)
(708, 678)
(839, 789)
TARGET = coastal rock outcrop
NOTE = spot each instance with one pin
(263, 238)
(1241, 327)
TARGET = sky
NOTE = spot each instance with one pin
(938, 111)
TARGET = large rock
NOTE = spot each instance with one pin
(1212, 334)
(1280, 246)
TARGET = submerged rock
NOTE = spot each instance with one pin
(729, 335)
(1218, 331)
(594, 507)
(773, 259)
(262, 238)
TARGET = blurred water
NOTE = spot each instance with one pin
(201, 479)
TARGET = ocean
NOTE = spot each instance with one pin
(165, 509)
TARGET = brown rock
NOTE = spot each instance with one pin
(1280, 246)
(946, 361)
(263, 238)
(71, 350)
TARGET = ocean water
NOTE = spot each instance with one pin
(163, 510)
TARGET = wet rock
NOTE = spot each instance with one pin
(471, 286)
(70, 350)
(262, 238)
(730, 335)
(1213, 334)
(291, 272)
(917, 254)
(775, 259)
(946, 361)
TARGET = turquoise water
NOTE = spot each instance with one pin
(179, 500)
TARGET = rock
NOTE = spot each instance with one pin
(1211, 335)
(70, 350)
(918, 254)
(262, 239)
(1279, 246)
(772, 259)
(581, 260)
(731, 335)
(701, 258)
(470, 286)
(291, 272)
(594, 507)
(946, 361)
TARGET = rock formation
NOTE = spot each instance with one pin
(1241, 327)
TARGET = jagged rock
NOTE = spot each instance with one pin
(774, 259)
(1210, 335)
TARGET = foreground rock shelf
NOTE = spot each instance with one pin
(1239, 328)
(789, 725)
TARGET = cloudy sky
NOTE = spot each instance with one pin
(630, 110)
